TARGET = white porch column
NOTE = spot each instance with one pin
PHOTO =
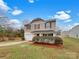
(41, 34)
(54, 34)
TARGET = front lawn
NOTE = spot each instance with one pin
(27, 51)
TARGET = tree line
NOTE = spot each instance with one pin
(7, 32)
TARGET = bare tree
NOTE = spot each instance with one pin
(26, 21)
(58, 31)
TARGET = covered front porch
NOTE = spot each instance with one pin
(44, 33)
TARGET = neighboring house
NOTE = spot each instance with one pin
(74, 32)
(64, 33)
(40, 27)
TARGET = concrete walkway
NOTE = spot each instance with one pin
(11, 43)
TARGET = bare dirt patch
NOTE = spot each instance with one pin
(47, 45)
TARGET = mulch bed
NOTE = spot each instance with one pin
(47, 45)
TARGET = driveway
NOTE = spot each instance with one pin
(10, 43)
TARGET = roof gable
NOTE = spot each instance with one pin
(37, 20)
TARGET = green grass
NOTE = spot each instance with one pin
(27, 51)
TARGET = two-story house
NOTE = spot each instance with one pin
(39, 27)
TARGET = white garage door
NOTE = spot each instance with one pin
(28, 37)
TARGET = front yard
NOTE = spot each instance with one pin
(28, 51)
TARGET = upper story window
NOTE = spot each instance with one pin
(28, 26)
(36, 26)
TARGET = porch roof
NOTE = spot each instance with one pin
(44, 31)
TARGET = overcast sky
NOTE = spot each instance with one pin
(65, 11)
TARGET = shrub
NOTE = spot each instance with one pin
(58, 40)
(48, 39)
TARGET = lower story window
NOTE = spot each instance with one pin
(37, 34)
(50, 34)
(44, 34)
